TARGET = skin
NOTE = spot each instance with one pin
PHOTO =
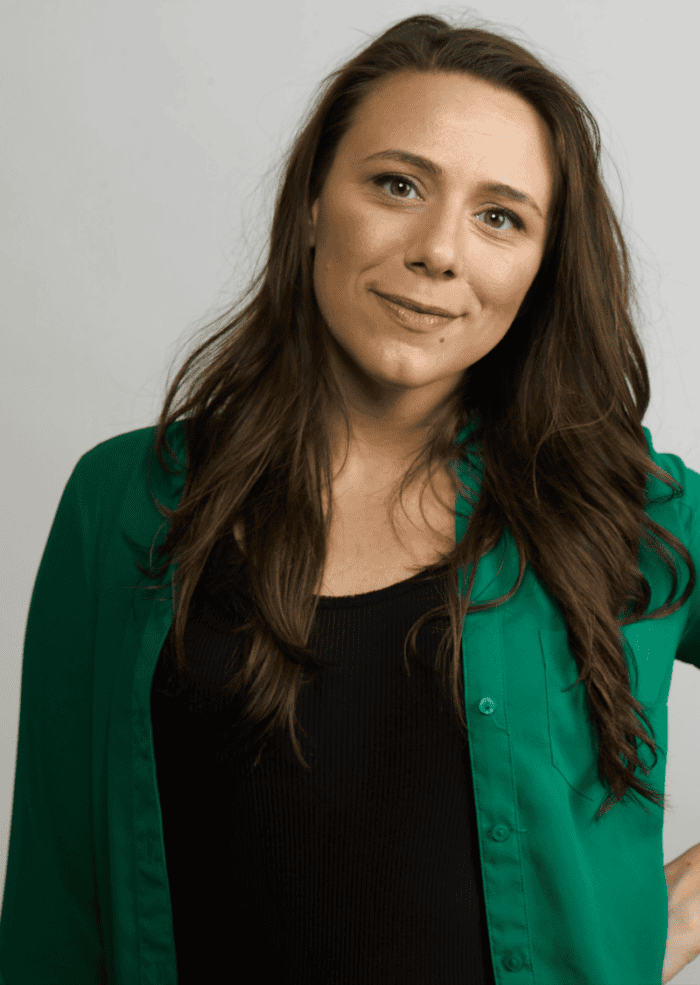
(434, 241)
(683, 890)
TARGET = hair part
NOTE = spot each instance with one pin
(559, 400)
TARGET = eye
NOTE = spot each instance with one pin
(397, 179)
(401, 179)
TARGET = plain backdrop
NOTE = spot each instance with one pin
(137, 167)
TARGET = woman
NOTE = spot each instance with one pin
(167, 824)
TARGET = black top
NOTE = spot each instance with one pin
(364, 868)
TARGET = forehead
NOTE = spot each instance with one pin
(460, 122)
(442, 99)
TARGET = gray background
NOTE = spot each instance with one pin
(136, 188)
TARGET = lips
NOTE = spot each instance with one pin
(414, 321)
(416, 306)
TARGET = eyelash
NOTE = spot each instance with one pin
(514, 218)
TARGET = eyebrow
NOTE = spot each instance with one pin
(435, 171)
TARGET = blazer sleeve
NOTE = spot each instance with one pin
(50, 931)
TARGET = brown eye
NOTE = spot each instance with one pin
(399, 179)
(515, 219)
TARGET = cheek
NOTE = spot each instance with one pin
(503, 289)
(346, 248)
(355, 236)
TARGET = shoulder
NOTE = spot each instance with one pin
(685, 506)
(129, 452)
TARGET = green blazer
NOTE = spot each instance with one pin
(569, 901)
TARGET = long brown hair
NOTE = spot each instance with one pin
(559, 401)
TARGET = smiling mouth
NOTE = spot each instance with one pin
(412, 306)
(415, 321)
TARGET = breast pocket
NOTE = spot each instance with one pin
(572, 735)
(573, 741)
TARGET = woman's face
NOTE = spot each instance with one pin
(440, 239)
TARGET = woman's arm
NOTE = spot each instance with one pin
(683, 885)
